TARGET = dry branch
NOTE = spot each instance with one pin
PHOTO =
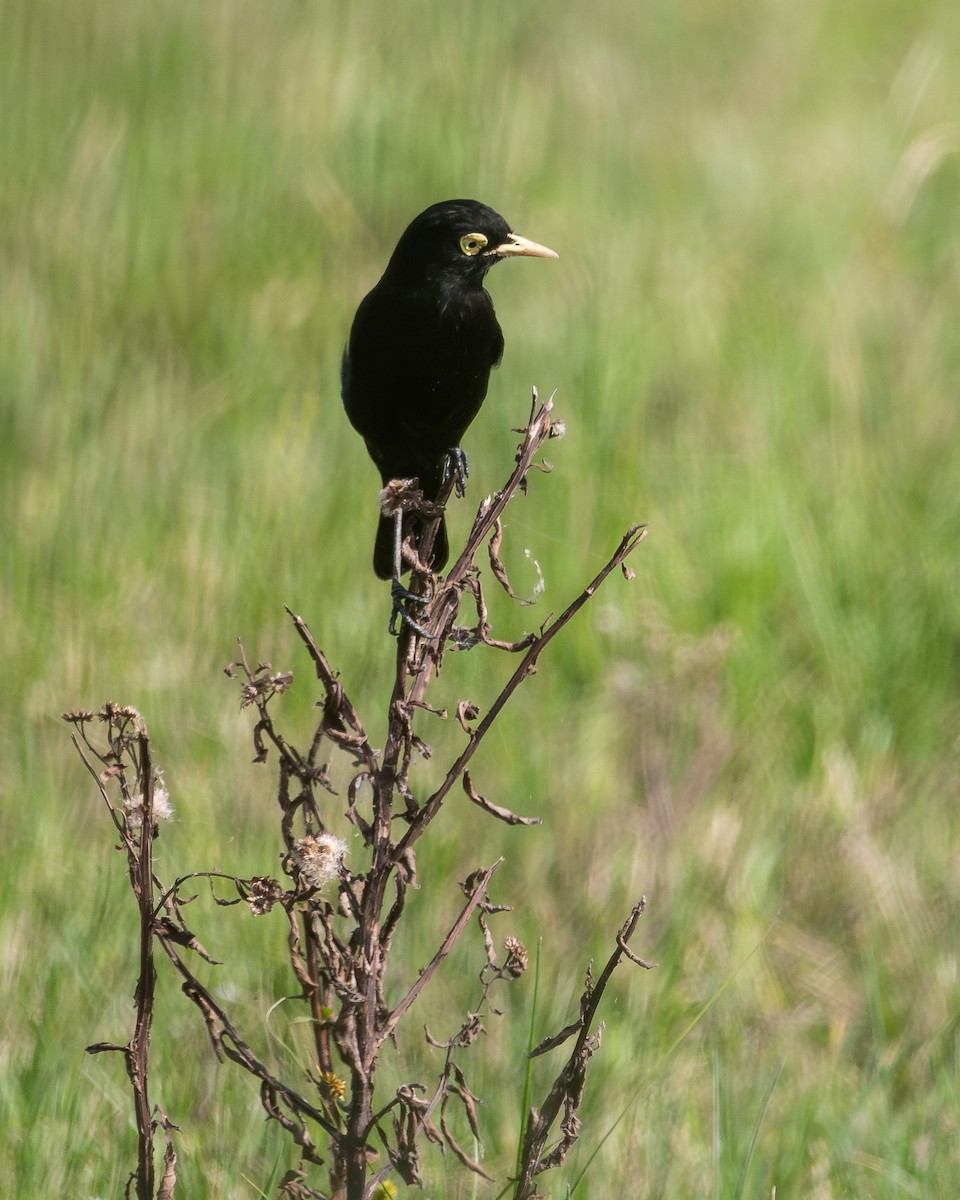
(339, 947)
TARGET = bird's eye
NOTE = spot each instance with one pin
(472, 243)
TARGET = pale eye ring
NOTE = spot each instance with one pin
(472, 243)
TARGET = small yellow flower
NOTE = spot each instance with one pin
(385, 1190)
(334, 1086)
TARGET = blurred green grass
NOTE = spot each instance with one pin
(753, 334)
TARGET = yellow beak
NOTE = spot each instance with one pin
(516, 245)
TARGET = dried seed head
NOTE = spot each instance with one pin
(121, 714)
(77, 716)
(162, 808)
(516, 962)
(398, 496)
(262, 686)
(263, 894)
(317, 860)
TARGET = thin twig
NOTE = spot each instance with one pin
(631, 539)
(480, 885)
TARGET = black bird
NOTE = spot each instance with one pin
(423, 343)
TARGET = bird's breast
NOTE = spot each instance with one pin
(418, 364)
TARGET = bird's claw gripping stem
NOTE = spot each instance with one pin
(457, 469)
(398, 593)
(398, 612)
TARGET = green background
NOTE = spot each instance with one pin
(752, 331)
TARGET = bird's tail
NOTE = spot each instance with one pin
(412, 527)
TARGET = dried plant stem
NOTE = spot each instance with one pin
(628, 544)
(136, 1053)
(420, 657)
(139, 1056)
(339, 949)
(567, 1089)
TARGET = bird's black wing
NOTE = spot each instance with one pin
(415, 373)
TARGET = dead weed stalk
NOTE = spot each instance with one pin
(341, 923)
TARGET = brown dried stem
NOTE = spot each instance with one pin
(339, 954)
(567, 1090)
(129, 743)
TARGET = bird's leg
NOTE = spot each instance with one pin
(398, 593)
(457, 469)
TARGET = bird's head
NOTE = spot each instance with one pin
(458, 240)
